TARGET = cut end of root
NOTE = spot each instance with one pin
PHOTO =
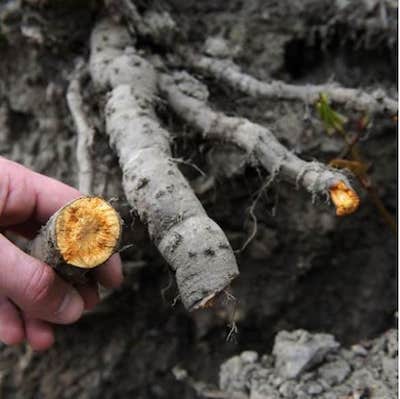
(207, 302)
(345, 199)
(87, 232)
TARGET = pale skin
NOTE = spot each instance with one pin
(33, 298)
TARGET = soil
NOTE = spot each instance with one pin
(305, 268)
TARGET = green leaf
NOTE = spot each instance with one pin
(332, 120)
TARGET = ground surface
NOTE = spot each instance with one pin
(305, 269)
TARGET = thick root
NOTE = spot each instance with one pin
(193, 245)
(80, 236)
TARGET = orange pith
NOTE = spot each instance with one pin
(345, 199)
(87, 232)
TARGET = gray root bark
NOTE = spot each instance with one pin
(162, 30)
(195, 246)
(85, 135)
(229, 73)
(188, 98)
(44, 248)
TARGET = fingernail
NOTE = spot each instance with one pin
(71, 307)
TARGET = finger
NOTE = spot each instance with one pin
(35, 287)
(110, 275)
(29, 196)
(39, 333)
(90, 294)
(11, 324)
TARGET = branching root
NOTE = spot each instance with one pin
(194, 246)
(257, 141)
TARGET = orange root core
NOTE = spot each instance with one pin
(87, 232)
(345, 199)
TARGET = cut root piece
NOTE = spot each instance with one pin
(345, 199)
(80, 236)
(87, 232)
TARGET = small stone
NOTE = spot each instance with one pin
(335, 372)
(359, 350)
(218, 47)
(249, 356)
(324, 384)
(264, 392)
(302, 395)
(277, 382)
(389, 367)
(392, 343)
(314, 389)
(235, 374)
(287, 389)
(267, 361)
(33, 33)
(179, 373)
(307, 377)
(379, 94)
(299, 350)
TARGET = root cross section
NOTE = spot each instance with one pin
(87, 232)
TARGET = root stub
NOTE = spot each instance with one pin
(80, 236)
(344, 198)
(87, 232)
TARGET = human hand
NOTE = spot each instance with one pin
(33, 298)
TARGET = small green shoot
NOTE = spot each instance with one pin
(332, 120)
(335, 123)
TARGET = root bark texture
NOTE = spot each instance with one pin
(188, 98)
(161, 28)
(194, 246)
(229, 73)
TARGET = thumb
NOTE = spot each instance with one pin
(36, 288)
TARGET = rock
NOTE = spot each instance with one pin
(335, 372)
(249, 356)
(302, 395)
(343, 373)
(217, 46)
(236, 373)
(359, 350)
(314, 389)
(392, 343)
(298, 351)
(330, 395)
(264, 392)
(287, 389)
(364, 381)
(276, 382)
(389, 367)
(179, 373)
